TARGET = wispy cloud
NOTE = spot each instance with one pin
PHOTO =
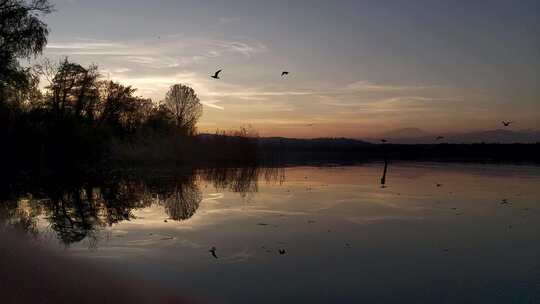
(153, 65)
(421, 99)
(212, 104)
(227, 20)
(159, 52)
(367, 86)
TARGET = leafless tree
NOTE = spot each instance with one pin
(185, 106)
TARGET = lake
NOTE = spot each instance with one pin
(433, 233)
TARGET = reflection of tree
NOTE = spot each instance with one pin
(182, 202)
(19, 219)
(242, 180)
(77, 213)
(78, 210)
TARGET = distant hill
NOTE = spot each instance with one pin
(405, 133)
(503, 136)
(294, 143)
(496, 145)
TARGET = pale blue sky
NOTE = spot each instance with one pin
(358, 68)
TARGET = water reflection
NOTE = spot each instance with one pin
(383, 178)
(75, 210)
(447, 228)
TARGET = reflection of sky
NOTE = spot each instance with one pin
(398, 237)
(357, 67)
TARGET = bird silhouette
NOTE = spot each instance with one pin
(439, 137)
(216, 75)
(284, 73)
(384, 140)
(507, 123)
(213, 251)
(504, 202)
(282, 251)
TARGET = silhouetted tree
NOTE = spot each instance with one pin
(116, 99)
(73, 89)
(185, 107)
(22, 35)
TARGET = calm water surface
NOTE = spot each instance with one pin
(437, 233)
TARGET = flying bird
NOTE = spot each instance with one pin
(284, 73)
(213, 251)
(216, 75)
(439, 137)
(282, 251)
(507, 123)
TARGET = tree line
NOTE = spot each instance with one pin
(63, 114)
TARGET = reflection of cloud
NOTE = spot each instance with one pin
(213, 197)
(238, 257)
(382, 218)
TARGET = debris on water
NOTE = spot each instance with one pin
(213, 251)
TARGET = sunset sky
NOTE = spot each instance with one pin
(357, 67)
